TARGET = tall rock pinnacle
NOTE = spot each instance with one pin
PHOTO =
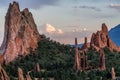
(21, 35)
(77, 63)
(86, 45)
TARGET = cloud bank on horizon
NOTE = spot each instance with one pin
(63, 20)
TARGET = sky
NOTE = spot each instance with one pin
(63, 20)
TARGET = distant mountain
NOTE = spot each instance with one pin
(114, 34)
(79, 45)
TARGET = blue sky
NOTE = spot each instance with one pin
(63, 20)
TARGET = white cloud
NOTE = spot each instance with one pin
(84, 29)
(50, 28)
(115, 6)
(59, 31)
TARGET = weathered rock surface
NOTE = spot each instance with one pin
(21, 35)
(102, 60)
(77, 63)
(113, 74)
(101, 40)
(3, 74)
(20, 74)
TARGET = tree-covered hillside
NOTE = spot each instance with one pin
(56, 62)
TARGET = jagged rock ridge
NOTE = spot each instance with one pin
(101, 39)
(21, 35)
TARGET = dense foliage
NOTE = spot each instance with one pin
(56, 61)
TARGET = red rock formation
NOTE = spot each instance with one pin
(86, 45)
(113, 74)
(21, 35)
(28, 77)
(20, 74)
(77, 63)
(3, 75)
(102, 60)
(37, 67)
(101, 40)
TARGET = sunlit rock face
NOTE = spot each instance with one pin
(21, 35)
(101, 39)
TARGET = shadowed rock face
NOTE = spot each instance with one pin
(101, 40)
(21, 35)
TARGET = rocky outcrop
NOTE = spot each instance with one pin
(37, 68)
(86, 45)
(102, 60)
(77, 63)
(113, 74)
(21, 35)
(3, 74)
(20, 74)
(101, 40)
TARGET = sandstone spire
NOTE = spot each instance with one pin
(3, 75)
(77, 63)
(113, 74)
(21, 35)
(102, 60)
(20, 74)
(37, 67)
(86, 45)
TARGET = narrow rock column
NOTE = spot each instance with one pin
(20, 74)
(102, 60)
(113, 74)
(37, 67)
(77, 63)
